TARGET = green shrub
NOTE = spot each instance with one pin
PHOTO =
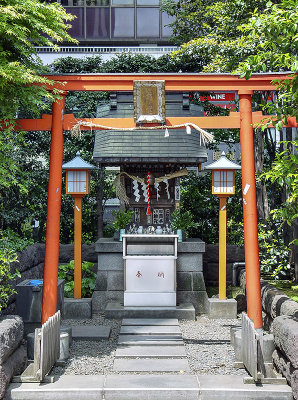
(12, 241)
(66, 272)
(123, 219)
(6, 277)
(183, 220)
(274, 254)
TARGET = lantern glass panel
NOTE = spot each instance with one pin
(223, 182)
(77, 182)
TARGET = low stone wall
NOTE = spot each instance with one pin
(280, 317)
(210, 262)
(13, 354)
(31, 263)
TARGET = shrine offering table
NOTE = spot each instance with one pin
(150, 270)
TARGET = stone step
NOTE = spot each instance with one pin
(90, 332)
(150, 340)
(150, 330)
(150, 351)
(150, 322)
(118, 311)
(147, 387)
(151, 365)
(64, 387)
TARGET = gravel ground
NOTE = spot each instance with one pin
(89, 357)
(207, 345)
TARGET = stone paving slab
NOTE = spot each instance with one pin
(150, 330)
(150, 340)
(151, 365)
(150, 321)
(151, 387)
(87, 332)
(150, 351)
(65, 387)
(147, 387)
(231, 387)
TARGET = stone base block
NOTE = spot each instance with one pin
(77, 308)
(118, 311)
(222, 308)
(100, 299)
(199, 299)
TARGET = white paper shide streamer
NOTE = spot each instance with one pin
(156, 186)
(144, 188)
(136, 191)
(167, 188)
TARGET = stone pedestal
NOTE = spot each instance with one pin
(222, 308)
(110, 275)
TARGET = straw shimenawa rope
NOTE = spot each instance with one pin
(120, 189)
(205, 136)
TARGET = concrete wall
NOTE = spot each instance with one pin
(13, 354)
(280, 317)
(110, 275)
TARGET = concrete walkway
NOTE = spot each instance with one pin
(148, 345)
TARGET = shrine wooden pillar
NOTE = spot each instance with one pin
(50, 279)
(252, 267)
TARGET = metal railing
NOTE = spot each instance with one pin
(108, 49)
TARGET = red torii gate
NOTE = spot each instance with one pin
(244, 119)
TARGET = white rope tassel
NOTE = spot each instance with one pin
(188, 129)
(167, 133)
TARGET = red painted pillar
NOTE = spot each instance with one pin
(49, 297)
(252, 266)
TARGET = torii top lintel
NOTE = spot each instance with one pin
(173, 82)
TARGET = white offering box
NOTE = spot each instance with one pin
(150, 270)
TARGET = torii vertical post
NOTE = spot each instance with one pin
(50, 279)
(252, 267)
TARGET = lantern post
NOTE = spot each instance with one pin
(223, 186)
(77, 185)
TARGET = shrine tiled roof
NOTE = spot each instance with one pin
(117, 147)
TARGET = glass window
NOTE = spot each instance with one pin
(97, 3)
(158, 216)
(122, 2)
(137, 215)
(168, 215)
(147, 2)
(147, 22)
(155, 216)
(123, 22)
(77, 29)
(98, 22)
(165, 20)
